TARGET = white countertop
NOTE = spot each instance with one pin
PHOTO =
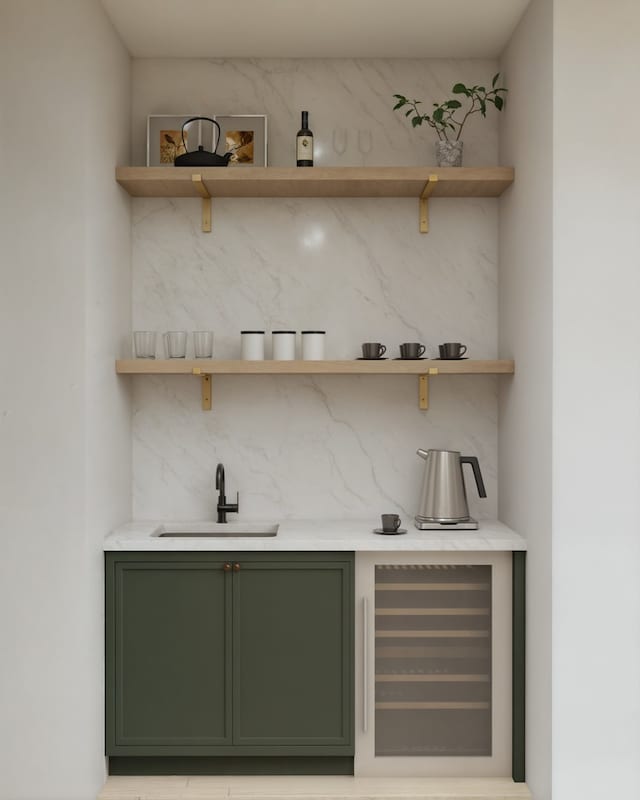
(327, 535)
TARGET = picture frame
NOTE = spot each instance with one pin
(245, 135)
(164, 140)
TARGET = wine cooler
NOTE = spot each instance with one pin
(434, 665)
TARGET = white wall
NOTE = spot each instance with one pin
(525, 333)
(596, 401)
(302, 446)
(64, 417)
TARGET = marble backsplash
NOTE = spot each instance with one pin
(312, 446)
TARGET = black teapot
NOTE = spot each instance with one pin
(202, 157)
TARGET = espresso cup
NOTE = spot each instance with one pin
(390, 522)
(450, 350)
(412, 350)
(373, 350)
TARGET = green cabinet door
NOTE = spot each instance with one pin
(292, 653)
(252, 660)
(168, 653)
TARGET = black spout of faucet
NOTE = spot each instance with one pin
(223, 507)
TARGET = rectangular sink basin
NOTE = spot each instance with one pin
(219, 530)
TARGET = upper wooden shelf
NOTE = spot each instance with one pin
(315, 181)
(204, 366)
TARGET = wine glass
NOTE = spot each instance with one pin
(340, 138)
(365, 143)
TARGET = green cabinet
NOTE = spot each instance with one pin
(229, 654)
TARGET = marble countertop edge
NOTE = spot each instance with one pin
(319, 535)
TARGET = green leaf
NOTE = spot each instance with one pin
(499, 103)
(460, 88)
(437, 115)
(416, 121)
(480, 89)
(408, 113)
(495, 79)
(453, 104)
(399, 104)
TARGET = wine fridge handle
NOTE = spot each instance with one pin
(365, 664)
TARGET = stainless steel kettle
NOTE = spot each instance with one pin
(444, 499)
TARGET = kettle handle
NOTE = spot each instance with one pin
(422, 453)
(476, 473)
(196, 119)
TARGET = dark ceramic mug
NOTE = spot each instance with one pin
(390, 522)
(451, 350)
(412, 350)
(373, 350)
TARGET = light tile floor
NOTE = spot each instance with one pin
(292, 787)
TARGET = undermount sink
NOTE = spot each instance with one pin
(201, 530)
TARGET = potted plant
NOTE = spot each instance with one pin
(443, 117)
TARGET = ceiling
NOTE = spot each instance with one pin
(321, 29)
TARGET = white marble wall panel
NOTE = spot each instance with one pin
(356, 94)
(302, 446)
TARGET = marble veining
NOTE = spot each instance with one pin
(313, 446)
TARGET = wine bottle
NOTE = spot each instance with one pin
(304, 143)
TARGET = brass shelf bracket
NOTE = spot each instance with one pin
(206, 202)
(423, 388)
(429, 186)
(205, 388)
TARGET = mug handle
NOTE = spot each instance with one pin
(398, 523)
(383, 350)
(463, 350)
(422, 349)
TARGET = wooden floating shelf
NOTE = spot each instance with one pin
(421, 183)
(205, 368)
(315, 181)
(183, 366)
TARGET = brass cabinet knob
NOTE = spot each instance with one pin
(236, 567)
(226, 567)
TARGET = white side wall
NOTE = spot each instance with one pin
(65, 447)
(525, 333)
(596, 401)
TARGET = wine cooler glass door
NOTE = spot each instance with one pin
(436, 687)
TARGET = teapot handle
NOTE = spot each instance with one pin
(476, 473)
(195, 119)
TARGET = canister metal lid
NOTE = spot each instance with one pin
(251, 332)
(303, 332)
(274, 332)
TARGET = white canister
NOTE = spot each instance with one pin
(313, 345)
(252, 345)
(283, 345)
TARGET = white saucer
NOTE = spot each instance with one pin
(389, 533)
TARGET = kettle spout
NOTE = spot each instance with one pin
(422, 453)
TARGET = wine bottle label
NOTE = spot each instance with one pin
(304, 148)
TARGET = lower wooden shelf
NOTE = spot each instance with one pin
(205, 368)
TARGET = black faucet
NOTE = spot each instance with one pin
(223, 507)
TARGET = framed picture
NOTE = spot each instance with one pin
(245, 136)
(164, 139)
